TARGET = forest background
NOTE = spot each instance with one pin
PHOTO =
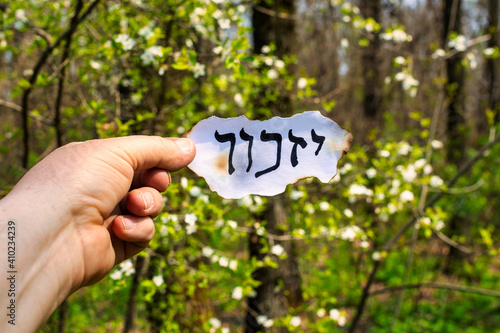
(403, 239)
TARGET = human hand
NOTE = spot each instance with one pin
(88, 206)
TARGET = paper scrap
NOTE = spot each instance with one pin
(238, 156)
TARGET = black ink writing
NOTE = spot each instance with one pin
(296, 141)
(232, 139)
(318, 139)
(247, 137)
(266, 137)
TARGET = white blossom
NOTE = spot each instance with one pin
(184, 182)
(436, 144)
(334, 314)
(237, 293)
(190, 229)
(324, 206)
(439, 225)
(349, 233)
(232, 224)
(400, 60)
(345, 169)
(406, 196)
(397, 36)
(459, 43)
(342, 321)
(223, 261)
(198, 70)
(272, 74)
(238, 99)
(277, 250)
(126, 41)
(348, 212)
(420, 163)
(404, 149)
(344, 43)
(214, 322)
(302, 83)
(295, 321)
(425, 220)
(20, 15)
(376, 256)
(195, 191)
(127, 267)
(296, 195)
(356, 189)
(409, 174)
(371, 173)
(471, 57)
(190, 219)
(385, 153)
(116, 275)
(439, 53)
(225, 24)
(266, 49)
(93, 64)
(436, 181)
(427, 169)
(489, 51)
(233, 265)
(207, 251)
(157, 280)
(280, 64)
(146, 32)
(391, 208)
(321, 313)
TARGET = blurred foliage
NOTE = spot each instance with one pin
(158, 67)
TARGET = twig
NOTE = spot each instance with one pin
(274, 13)
(451, 242)
(10, 105)
(434, 285)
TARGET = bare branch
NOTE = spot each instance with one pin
(434, 285)
(10, 105)
(452, 243)
(274, 13)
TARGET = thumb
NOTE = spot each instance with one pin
(146, 152)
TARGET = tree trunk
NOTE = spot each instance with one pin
(274, 24)
(492, 64)
(280, 287)
(454, 116)
(370, 63)
(141, 266)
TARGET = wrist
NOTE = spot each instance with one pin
(36, 264)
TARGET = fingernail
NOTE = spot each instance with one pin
(148, 200)
(127, 224)
(185, 145)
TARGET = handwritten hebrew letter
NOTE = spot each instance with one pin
(237, 156)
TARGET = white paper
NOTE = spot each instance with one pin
(237, 156)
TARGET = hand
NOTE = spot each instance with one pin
(87, 207)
